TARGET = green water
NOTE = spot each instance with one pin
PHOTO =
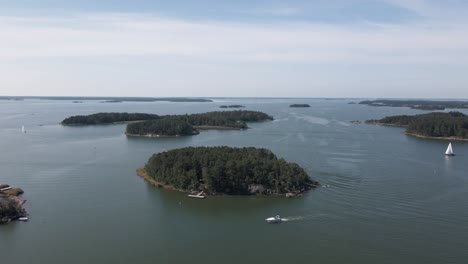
(386, 197)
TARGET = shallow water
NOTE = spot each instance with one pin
(386, 197)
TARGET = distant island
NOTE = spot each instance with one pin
(112, 101)
(418, 104)
(226, 170)
(107, 118)
(98, 98)
(11, 207)
(299, 105)
(190, 124)
(452, 125)
(232, 106)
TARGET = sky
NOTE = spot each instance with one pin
(242, 48)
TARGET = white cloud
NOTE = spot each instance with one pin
(280, 11)
(149, 55)
(136, 35)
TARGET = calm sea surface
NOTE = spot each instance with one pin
(386, 197)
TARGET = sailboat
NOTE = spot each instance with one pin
(23, 130)
(449, 151)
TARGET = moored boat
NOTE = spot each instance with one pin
(199, 195)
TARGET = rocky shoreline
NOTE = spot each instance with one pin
(11, 206)
(440, 138)
(376, 122)
(254, 189)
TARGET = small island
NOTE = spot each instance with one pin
(226, 170)
(112, 101)
(11, 207)
(232, 106)
(418, 104)
(299, 105)
(107, 118)
(452, 125)
(190, 124)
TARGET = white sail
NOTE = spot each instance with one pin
(23, 130)
(449, 150)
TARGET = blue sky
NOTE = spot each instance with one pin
(354, 48)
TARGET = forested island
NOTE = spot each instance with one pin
(226, 170)
(107, 118)
(299, 105)
(232, 106)
(11, 207)
(452, 125)
(190, 124)
(418, 104)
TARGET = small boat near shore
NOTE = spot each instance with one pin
(23, 219)
(275, 219)
(199, 195)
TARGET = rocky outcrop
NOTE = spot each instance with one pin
(11, 207)
(257, 189)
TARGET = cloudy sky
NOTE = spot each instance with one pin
(295, 48)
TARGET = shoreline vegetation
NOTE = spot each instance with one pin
(226, 170)
(11, 206)
(191, 124)
(436, 125)
(418, 104)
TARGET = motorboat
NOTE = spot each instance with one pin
(275, 219)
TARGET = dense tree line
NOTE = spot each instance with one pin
(107, 118)
(232, 106)
(299, 105)
(452, 124)
(228, 170)
(165, 126)
(186, 124)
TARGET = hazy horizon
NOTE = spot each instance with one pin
(293, 49)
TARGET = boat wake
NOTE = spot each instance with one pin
(301, 218)
(310, 217)
(294, 218)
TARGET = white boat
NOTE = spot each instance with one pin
(23, 219)
(199, 195)
(23, 129)
(449, 151)
(275, 219)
